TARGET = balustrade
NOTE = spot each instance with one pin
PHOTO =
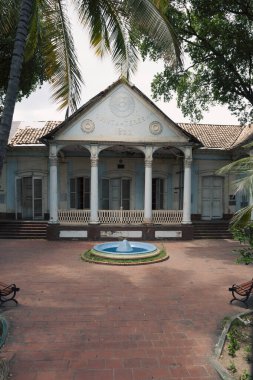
(120, 216)
(74, 216)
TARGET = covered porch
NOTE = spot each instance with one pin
(103, 185)
(141, 180)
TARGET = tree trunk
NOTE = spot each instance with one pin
(14, 76)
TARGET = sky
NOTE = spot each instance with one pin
(98, 75)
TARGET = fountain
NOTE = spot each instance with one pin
(125, 250)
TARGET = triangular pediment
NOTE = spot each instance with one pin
(119, 114)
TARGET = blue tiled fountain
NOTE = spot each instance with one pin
(126, 250)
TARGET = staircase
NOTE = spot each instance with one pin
(215, 229)
(10, 229)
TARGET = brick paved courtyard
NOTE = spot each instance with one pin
(80, 321)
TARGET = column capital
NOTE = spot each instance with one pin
(187, 151)
(94, 151)
(148, 163)
(52, 150)
(94, 161)
(148, 153)
(53, 160)
(187, 162)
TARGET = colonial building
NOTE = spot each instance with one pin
(120, 167)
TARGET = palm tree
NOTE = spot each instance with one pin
(243, 169)
(241, 224)
(109, 24)
(15, 70)
(46, 25)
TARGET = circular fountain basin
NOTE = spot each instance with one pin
(125, 250)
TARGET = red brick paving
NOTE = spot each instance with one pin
(80, 321)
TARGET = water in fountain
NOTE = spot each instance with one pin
(124, 246)
(126, 249)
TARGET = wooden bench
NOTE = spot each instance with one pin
(8, 292)
(243, 291)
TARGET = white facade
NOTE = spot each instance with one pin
(117, 160)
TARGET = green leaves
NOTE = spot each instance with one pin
(32, 71)
(217, 38)
(243, 171)
(158, 29)
(112, 24)
(60, 57)
(49, 53)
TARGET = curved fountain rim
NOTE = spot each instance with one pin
(150, 248)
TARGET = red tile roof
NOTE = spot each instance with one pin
(29, 135)
(224, 137)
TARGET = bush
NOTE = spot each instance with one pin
(245, 236)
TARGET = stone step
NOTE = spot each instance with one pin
(23, 230)
(211, 230)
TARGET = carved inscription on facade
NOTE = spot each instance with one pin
(122, 123)
(124, 132)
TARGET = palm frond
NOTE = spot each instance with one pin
(124, 53)
(248, 146)
(60, 56)
(110, 23)
(91, 15)
(240, 166)
(243, 169)
(245, 183)
(149, 19)
(109, 32)
(242, 217)
(8, 16)
(34, 31)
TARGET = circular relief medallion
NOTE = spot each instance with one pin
(122, 104)
(155, 128)
(87, 126)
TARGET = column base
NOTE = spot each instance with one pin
(94, 222)
(187, 222)
(53, 222)
(147, 221)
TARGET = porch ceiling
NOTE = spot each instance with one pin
(125, 150)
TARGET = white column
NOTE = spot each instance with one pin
(53, 202)
(94, 186)
(187, 186)
(148, 185)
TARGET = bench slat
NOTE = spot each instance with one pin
(243, 290)
(8, 292)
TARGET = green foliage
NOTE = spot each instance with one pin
(33, 73)
(232, 367)
(245, 236)
(217, 40)
(245, 376)
(50, 53)
(248, 351)
(233, 345)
